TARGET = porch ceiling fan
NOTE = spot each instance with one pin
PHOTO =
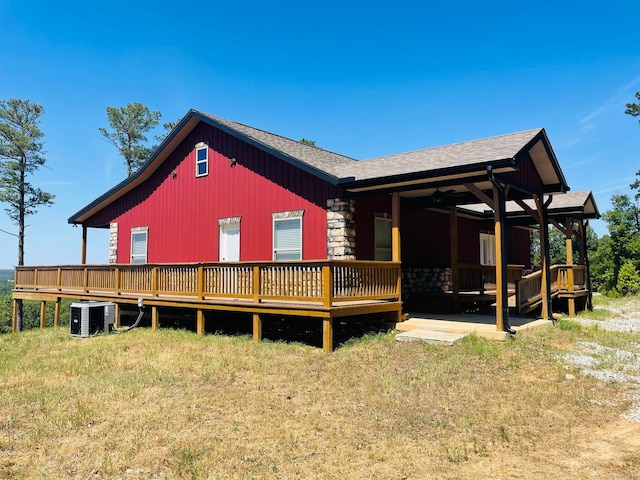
(446, 198)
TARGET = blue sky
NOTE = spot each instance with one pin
(360, 78)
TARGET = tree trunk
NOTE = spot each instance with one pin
(21, 215)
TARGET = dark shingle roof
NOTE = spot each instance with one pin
(483, 151)
(323, 160)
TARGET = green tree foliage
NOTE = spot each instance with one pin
(128, 128)
(558, 246)
(633, 109)
(20, 156)
(628, 279)
(167, 126)
(620, 247)
(311, 143)
(31, 312)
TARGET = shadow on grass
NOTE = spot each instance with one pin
(275, 328)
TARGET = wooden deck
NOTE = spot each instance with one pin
(323, 289)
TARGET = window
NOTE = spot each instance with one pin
(382, 239)
(287, 238)
(138, 245)
(487, 249)
(202, 160)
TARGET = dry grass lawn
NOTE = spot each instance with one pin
(170, 404)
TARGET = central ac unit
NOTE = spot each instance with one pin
(90, 318)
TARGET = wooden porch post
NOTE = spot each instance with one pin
(455, 267)
(200, 321)
(116, 314)
(502, 298)
(327, 334)
(395, 227)
(43, 314)
(545, 273)
(571, 301)
(56, 313)
(257, 328)
(83, 260)
(584, 254)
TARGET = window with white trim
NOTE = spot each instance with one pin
(487, 249)
(287, 237)
(382, 232)
(139, 238)
(202, 160)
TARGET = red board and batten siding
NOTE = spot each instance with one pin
(182, 213)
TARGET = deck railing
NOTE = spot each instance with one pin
(567, 278)
(322, 282)
(476, 277)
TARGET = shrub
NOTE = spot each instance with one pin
(628, 279)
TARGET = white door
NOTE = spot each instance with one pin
(230, 242)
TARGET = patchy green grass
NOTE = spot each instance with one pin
(171, 404)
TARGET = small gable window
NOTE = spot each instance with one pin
(202, 160)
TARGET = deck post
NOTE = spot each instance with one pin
(256, 284)
(43, 314)
(584, 259)
(327, 334)
(502, 302)
(56, 313)
(116, 315)
(327, 281)
(571, 301)
(455, 267)
(14, 319)
(257, 328)
(83, 254)
(200, 321)
(154, 318)
(545, 272)
(395, 227)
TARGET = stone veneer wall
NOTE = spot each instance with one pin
(341, 229)
(113, 243)
(421, 280)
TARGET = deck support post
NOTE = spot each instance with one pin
(116, 315)
(56, 313)
(257, 328)
(43, 314)
(502, 293)
(200, 321)
(395, 227)
(154, 318)
(14, 319)
(327, 334)
(455, 267)
(571, 301)
(545, 268)
(83, 255)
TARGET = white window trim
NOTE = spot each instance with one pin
(137, 231)
(491, 239)
(202, 146)
(280, 216)
(376, 248)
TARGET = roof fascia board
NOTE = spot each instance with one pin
(470, 173)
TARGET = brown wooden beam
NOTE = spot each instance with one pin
(455, 266)
(154, 318)
(532, 213)
(56, 313)
(257, 328)
(43, 314)
(327, 334)
(545, 287)
(480, 195)
(83, 254)
(395, 227)
(502, 304)
(14, 320)
(116, 315)
(200, 321)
